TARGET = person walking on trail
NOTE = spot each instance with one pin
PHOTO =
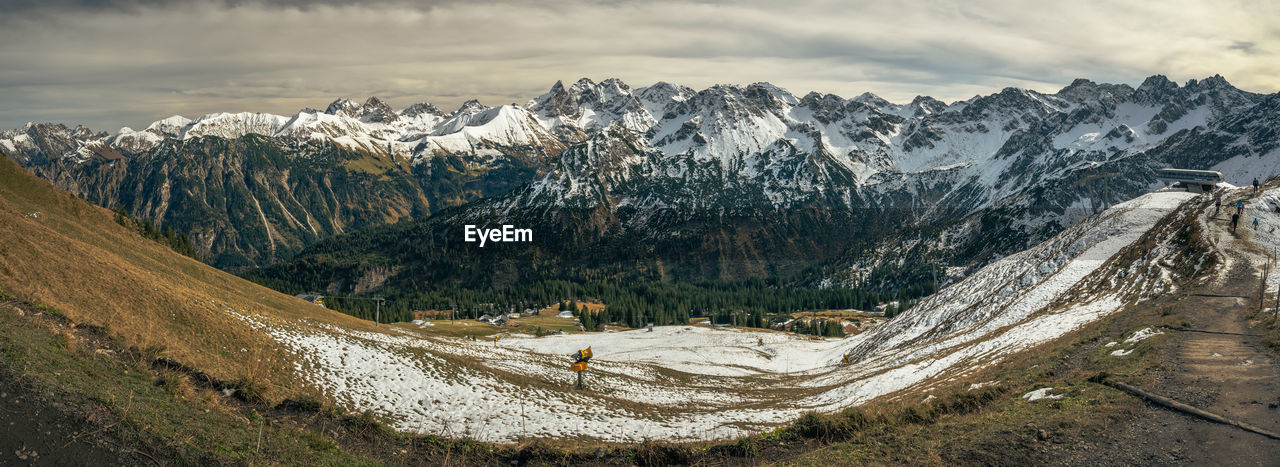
(1239, 206)
(1217, 205)
(1255, 185)
(1235, 218)
(1255, 223)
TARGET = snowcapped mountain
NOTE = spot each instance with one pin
(886, 185)
(984, 137)
(254, 187)
(980, 177)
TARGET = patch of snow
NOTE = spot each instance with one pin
(689, 383)
(1042, 393)
(982, 385)
(1141, 335)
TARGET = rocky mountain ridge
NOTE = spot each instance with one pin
(984, 176)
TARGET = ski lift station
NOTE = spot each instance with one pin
(1195, 181)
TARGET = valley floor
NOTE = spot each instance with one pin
(688, 383)
(949, 386)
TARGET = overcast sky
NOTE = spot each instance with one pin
(108, 64)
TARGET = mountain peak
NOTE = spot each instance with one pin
(663, 92)
(171, 126)
(925, 105)
(871, 100)
(344, 107)
(472, 106)
(1079, 87)
(373, 110)
(615, 82)
(376, 111)
(1155, 89)
(1213, 82)
(421, 108)
(1081, 82)
(1157, 82)
(770, 93)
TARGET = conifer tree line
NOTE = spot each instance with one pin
(819, 327)
(180, 243)
(750, 303)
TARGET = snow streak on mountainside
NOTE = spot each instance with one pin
(1012, 290)
(877, 141)
(1023, 163)
(418, 131)
(694, 383)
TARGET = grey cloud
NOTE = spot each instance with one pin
(135, 5)
(1248, 47)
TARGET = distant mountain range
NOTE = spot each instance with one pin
(751, 176)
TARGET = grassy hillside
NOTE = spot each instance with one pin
(60, 251)
(133, 343)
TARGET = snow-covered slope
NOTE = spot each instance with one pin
(983, 138)
(695, 383)
(418, 132)
(1004, 143)
(488, 132)
(994, 174)
(1011, 290)
(232, 126)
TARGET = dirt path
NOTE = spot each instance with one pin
(37, 431)
(1228, 371)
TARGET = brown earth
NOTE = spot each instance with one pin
(1219, 362)
(38, 431)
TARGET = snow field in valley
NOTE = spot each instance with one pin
(685, 383)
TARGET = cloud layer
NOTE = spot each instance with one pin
(117, 63)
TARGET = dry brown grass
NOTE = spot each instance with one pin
(587, 306)
(58, 250)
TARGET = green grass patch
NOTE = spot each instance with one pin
(155, 411)
(50, 310)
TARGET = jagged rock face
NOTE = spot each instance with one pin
(422, 108)
(373, 110)
(252, 199)
(245, 201)
(984, 176)
(38, 143)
